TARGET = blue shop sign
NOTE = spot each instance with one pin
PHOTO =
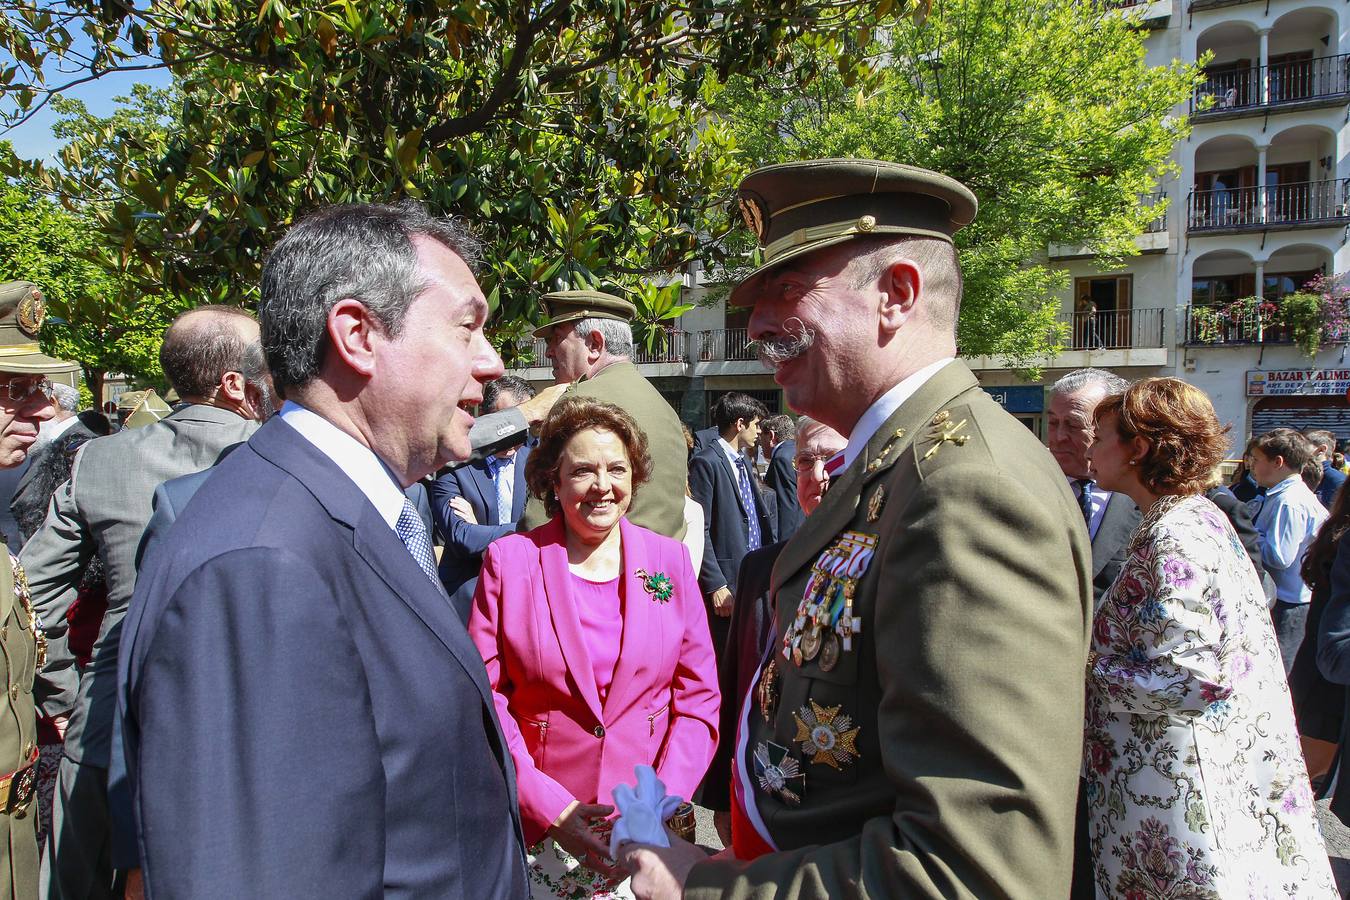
(1019, 399)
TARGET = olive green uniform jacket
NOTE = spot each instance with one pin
(965, 683)
(658, 504)
(18, 736)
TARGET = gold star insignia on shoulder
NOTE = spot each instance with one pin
(826, 736)
(941, 417)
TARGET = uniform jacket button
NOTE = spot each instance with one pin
(599, 731)
(14, 692)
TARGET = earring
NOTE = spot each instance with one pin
(1134, 462)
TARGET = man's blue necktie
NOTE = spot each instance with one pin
(413, 532)
(748, 499)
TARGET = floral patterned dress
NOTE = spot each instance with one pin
(1196, 786)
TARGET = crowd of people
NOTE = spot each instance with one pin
(362, 614)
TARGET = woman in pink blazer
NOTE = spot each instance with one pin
(597, 647)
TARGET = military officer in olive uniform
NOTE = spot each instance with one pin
(916, 725)
(25, 403)
(590, 342)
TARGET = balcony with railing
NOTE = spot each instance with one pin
(1305, 204)
(728, 344)
(1294, 84)
(1116, 329)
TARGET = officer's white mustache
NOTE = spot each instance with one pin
(795, 341)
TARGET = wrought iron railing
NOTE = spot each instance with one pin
(1279, 204)
(1159, 224)
(1290, 81)
(726, 344)
(1125, 329)
(670, 349)
(1209, 325)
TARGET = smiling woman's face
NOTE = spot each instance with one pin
(595, 482)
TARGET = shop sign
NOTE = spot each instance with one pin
(1298, 382)
(1019, 398)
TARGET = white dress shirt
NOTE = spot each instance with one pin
(357, 461)
(884, 407)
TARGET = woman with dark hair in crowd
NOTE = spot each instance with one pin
(1196, 786)
(597, 648)
(1319, 704)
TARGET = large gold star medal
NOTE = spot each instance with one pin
(826, 736)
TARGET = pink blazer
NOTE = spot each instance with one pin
(662, 706)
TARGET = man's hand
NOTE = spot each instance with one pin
(721, 601)
(659, 873)
(464, 509)
(536, 408)
(135, 887)
(573, 833)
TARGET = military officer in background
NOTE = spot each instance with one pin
(25, 402)
(915, 729)
(590, 342)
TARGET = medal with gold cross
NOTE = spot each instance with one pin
(826, 736)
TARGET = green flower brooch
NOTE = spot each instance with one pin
(658, 584)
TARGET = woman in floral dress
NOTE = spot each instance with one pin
(1196, 786)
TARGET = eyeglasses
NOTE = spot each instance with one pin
(805, 462)
(20, 389)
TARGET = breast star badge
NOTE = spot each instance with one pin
(825, 735)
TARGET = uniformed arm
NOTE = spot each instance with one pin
(1333, 634)
(497, 431)
(54, 560)
(683, 758)
(1168, 665)
(701, 488)
(542, 800)
(981, 651)
(259, 767)
(462, 539)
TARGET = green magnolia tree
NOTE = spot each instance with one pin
(1047, 111)
(574, 134)
(95, 320)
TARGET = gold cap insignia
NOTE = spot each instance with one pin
(31, 313)
(867, 223)
(752, 211)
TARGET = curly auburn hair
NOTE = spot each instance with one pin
(1186, 443)
(569, 417)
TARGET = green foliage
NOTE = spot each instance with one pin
(1047, 111)
(574, 135)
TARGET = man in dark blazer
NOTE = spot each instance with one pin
(301, 699)
(469, 507)
(777, 441)
(735, 517)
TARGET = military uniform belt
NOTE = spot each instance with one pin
(17, 788)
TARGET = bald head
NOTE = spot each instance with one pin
(204, 344)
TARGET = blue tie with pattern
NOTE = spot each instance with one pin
(1085, 500)
(413, 532)
(748, 498)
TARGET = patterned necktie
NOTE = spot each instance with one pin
(748, 499)
(503, 476)
(1085, 499)
(413, 532)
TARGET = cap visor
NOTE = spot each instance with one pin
(36, 364)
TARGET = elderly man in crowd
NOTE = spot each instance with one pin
(294, 632)
(213, 357)
(777, 441)
(916, 725)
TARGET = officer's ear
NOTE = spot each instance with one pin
(901, 285)
(595, 345)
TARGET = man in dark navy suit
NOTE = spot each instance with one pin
(477, 503)
(735, 517)
(777, 441)
(305, 713)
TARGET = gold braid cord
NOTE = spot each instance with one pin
(25, 598)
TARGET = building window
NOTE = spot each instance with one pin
(1101, 312)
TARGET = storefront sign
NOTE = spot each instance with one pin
(1019, 399)
(1298, 382)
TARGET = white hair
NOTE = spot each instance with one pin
(618, 335)
(65, 397)
(1110, 383)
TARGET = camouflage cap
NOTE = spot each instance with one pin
(22, 312)
(573, 306)
(800, 207)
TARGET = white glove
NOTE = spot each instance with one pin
(642, 812)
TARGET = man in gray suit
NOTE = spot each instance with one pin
(213, 358)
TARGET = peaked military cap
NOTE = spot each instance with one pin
(799, 207)
(22, 312)
(572, 306)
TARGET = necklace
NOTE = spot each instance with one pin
(1161, 507)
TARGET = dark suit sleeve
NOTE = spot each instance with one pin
(462, 539)
(261, 769)
(702, 478)
(1241, 519)
(497, 431)
(782, 479)
(1333, 636)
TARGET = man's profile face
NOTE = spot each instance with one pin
(1070, 430)
(748, 434)
(569, 353)
(20, 419)
(435, 370)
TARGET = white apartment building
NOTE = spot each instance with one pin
(1260, 205)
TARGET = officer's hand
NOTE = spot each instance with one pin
(573, 833)
(536, 408)
(464, 509)
(659, 873)
(721, 601)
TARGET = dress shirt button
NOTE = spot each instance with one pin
(599, 731)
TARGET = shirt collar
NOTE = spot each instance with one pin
(885, 407)
(1283, 486)
(357, 461)
(729, 450)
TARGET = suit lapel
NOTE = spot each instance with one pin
(1112, 532)
(562, 608)
(487, 491)
(637, 644)
(521, 491)
(731, 473)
